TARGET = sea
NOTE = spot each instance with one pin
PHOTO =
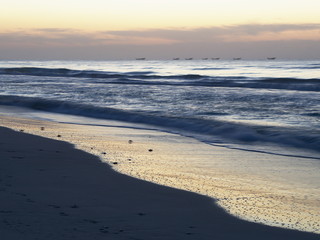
(268, 106)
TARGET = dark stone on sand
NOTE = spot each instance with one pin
(115, 163)
(42, 128)
(104, 153)
(150, 150)
(104, 229)
(91, 221)
(130, 141)
(21, 130)
(54, 206)
(58, 135)
(21, 194)
(6, 211)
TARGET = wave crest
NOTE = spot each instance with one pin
(150, 78)
(205, 130)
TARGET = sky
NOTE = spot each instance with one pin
(159, 29)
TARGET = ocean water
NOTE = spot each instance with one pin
(246, 133)
(266, 106)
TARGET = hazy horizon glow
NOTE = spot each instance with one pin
(103, 23)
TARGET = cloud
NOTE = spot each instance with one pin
(227, 32)
(242, 40)
(254, 29)
(73, 37)
(272, 32)
(249, 32)
(44, 37)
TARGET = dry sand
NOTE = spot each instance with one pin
(274, 203)
(50, 190)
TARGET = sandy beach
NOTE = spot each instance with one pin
(269, 189)
(50, 190)
(160, 120)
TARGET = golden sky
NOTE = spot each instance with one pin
(155, 22)
(97, 15)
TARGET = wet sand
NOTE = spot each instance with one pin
(161, 158)
(50, 190)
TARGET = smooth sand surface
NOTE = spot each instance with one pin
(269, 189)
(50, 190)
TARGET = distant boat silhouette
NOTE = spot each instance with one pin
(215, 58)
(140, 58)
(271, 58)
(189, 58)
(236, 58)
(176, 59)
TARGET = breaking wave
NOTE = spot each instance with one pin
(151, 78)
(203, 129)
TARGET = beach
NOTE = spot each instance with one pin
(160, 120)
(48, 180)
(51, 190)
(233, 132)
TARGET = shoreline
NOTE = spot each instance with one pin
(52, 190)
(233, 191)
